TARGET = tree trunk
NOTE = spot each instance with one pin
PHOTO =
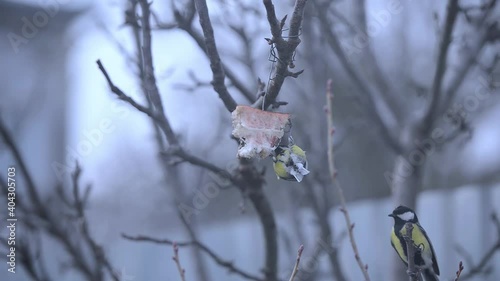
(406, 182)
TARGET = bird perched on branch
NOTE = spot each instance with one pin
(424, 258)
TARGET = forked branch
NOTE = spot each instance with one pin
(285, 48)
(220, 261)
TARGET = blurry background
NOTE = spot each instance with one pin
(58, 109)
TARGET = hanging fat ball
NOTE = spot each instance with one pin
(290, 162)
(259, 132)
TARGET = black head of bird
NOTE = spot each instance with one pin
(403, 214)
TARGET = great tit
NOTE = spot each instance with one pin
(425, 258)
(290, 163)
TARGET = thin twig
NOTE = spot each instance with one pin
(79, 205)
(410, 250)
(201, 268)
(333, 174)
(54, 227)
(479, 267)
(459, 271)
(181, 270)
(149, 76)
(451, 16)
(185, 23)
(149, 79)
(321, 211)
(224, 263)
(41, 212)
(467, 62)
(158, 117)
(213, 55)
(30, 184)
(250, 181)
(297, 262)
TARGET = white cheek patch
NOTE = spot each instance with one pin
(408, 216)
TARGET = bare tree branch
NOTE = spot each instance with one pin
(410, 250)
(213, 55)
(30, 184)
(247, 58)
(200, 262)
(372, 66)
(333, 174)
(224, 263)
(29, 255)
(471, 56)
(181, 270)
(297, 262)
(79, 205)
(184, 23)
(285, 48)
(451, 16)
(149, 77)
(164, 124)
(459, 271)
(326, 235)
(250, 182)
(159, 117)
(483, 262)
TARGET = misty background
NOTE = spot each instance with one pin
(58, 108)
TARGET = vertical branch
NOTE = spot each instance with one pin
(149, 80)
(147, 56)
(485, 33)
(333, 174)
(459, 271)
(177, 261)
(9, 141)
(131, 17)
(285, 48)
(201, 268)
(265, 212)
(217, 259)
(331, 128)
(79, 206)
(371, 64)
(250, 182)
(410, 250)
(184, 23)
(451, 16)
(213, 55)
(480, 267)
(297, 262)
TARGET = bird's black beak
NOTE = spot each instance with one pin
(391, 215)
